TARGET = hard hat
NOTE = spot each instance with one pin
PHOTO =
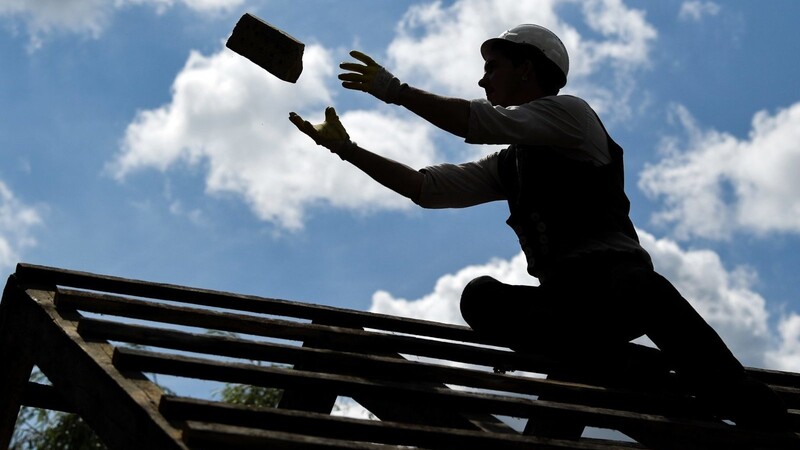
(539, 37)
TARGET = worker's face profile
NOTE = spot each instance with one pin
(500, 79)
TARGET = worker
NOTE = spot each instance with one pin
(562, 176)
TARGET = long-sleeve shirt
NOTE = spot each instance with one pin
(564, 122)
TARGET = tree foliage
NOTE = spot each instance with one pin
(240, 394)
(47, 430)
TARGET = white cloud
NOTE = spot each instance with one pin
(450, 36)
(16, 222)
(787, 356)
(442, 305)
(725, 298)
(202, 6)
(42, 18)
(715, 184)
(232, 117)
(696, 10)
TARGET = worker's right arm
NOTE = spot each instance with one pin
(439, 186)
(448, 113)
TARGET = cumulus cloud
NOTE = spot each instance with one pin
(45, 17)
(42, 18)
(696, 10)
(16, 223)
(787, 355)
(450, 36)
(202, 6)
(714, 184)
(441, 305)
(231, 117)
(725, 298)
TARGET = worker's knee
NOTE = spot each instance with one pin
(478, 289)
(473, 298)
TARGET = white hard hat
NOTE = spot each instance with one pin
(537, 36)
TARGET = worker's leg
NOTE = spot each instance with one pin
(566, 314)
(505, 313)
(675, 327)
(696, 351)
(562, 318)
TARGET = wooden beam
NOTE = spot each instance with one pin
(676, 430)
(122, 411)
(647, 365)
(344, 428)
(357, 340)
(216, 436)
(329, 361)
(384, 367)
(43, 396)
(17, 352)
(339, 358)
(263, 305)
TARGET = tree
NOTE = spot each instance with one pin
(240, 394)
(48, 430)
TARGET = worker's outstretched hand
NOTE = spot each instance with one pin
(371, 77)
(329, 134)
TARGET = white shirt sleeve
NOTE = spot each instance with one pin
(461, 185)
(564, 122)
(561, 121)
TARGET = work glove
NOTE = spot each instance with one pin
(329, 134)
(371, 77)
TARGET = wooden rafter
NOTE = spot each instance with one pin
(78, 328)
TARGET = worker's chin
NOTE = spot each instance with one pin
(494, 100)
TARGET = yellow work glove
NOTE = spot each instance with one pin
(329, 134)
(371, 77)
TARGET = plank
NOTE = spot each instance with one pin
(201, 435)
(380, 367)
(43, 396)
(270, 306)
(356, 340)
(38, 274)
(300, 357)
(354, 363)
(30, 273)
(343, 428)
(678, 430)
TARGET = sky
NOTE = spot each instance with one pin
(135, 144)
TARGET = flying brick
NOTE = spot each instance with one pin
(271, 48)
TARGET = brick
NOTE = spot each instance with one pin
(267, 46)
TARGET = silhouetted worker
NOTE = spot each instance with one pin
(562, 176)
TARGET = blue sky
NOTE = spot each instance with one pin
(135, 144)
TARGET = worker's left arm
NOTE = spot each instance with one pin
(332, 135)
(448, 113)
